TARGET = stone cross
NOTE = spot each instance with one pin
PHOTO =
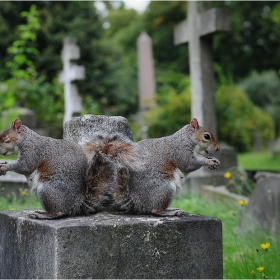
(198, 30)
(71, 73)
(146, 76)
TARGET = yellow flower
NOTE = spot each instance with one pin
(253, 272)
(265, 246)
(264, 276)
(231, 211)
(227, 175)
(242, 177)
(261, 268)
(242, 202)
(23, 193)
(12, 208)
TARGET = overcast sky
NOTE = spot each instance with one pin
(138, 5)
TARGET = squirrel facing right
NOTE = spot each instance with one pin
(151, 188)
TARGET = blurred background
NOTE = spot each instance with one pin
(246, 66)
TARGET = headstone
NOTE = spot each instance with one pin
(83, 129)
(263, 210)
(198, 30)
(146, 76)
(27, 117)
(110, 246)
(71, 73)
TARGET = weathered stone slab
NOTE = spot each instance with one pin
(263, 210)
(110, 246)
(81, 129)
(222, 194)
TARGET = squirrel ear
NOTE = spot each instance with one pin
(16, 125)
(194, 124)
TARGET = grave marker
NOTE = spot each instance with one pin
(198, 30)
(71, 73)
(146, 76)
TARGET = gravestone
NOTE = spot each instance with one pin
(263, 210)
(68, 76)
(110, 246)
(198, 30)
(146, 76)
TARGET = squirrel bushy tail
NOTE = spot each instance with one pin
(110, 160)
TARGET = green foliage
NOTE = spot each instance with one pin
(26, 87)
(242, 254)
(238, 181)
(173, 111)
(21, 47)
(18, 199)
(238, 119)
(263, 89)
(259, 161)
(252, 42)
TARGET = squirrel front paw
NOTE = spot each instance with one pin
(212, 163)
(3, 168)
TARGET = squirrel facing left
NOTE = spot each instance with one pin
(54, 168)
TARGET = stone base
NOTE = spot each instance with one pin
(110, 246)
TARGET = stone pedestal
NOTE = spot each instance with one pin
(110, 246)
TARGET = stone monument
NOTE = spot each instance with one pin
(146, 76)
(198, 30)
(71, 73)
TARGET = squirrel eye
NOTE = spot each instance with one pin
(206, 136)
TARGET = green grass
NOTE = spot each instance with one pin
(259, 161)
(241, 253)
(21, 200)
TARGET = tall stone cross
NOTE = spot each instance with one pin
(71, 73)
(198, 29)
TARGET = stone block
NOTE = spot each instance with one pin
(110, 246)
(263, 210)
(82, 129)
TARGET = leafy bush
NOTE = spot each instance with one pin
(263, 89)
(174, 108)
(26, 87)
(239, 119)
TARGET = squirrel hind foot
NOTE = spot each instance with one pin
(42, 215)
(169, 212)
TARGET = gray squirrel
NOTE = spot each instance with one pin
(150, 188)
(56, 169)
(110, 172)
(53, 176)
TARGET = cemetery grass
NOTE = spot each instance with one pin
(243, 256)
(259, 161)
(21, 199)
